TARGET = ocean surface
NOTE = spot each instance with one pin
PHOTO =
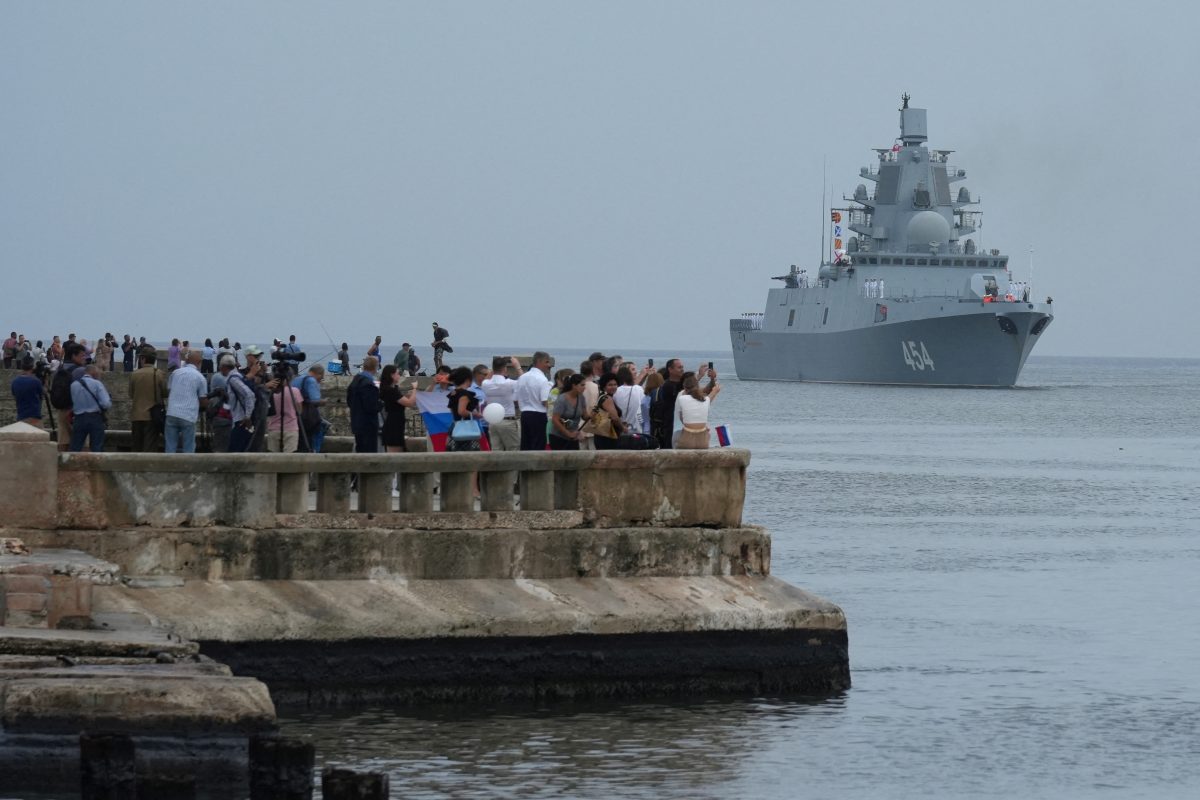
(1021, 574)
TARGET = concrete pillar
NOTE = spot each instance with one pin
(333, 492)
(346, 784)
(28, 477)
(458, 491)
(281, 768)
(416, 492)
(375, 492)
(496, 490)
(566, 489)
(291, 493)
(537, 490)
(106, 767)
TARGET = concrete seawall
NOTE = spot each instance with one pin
(570, 575)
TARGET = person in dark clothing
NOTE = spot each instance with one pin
(363, 400)
(463, 405)
(395, 399)
(662, 410)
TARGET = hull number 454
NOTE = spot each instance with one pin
(916, 356)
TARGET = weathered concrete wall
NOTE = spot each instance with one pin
(517, 551)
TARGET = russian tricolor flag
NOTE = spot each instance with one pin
(435, 413)
(723, 435)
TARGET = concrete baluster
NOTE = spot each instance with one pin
(496, 490)
(537, 490)
(333, 493)
(416, 492)
(458, 494)
(375, 492)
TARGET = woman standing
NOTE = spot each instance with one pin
(102, 355)
(693, 405)
(570, 411)
(395, 400)
(463, 406)
(207, 357)
(605, 403)
(629, 398)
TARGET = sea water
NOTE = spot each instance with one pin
(1019, 570)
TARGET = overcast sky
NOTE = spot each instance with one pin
(617, 175)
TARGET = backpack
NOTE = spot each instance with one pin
(60, 389)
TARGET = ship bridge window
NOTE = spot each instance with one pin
(971, 262)
(791, 317)
(885, 261)
(922, 262)
(912, 262)
(872, 260)
(958, 262)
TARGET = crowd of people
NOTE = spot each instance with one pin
(253, 400)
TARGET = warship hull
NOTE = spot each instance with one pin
(969, 348)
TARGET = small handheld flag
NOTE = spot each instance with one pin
(723, 435)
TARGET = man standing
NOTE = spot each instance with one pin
(662, 411)
(532, 392)
(128, 349)
(28, 390)
(401, 359)
(90, 401)
(440, 345)
(504, 435)
(187, 393)
(292, 350)
(10, 350)
(310, 390)
(147, 388)
(218, 404)
(362, 397)
(74, 360)
(242, 406)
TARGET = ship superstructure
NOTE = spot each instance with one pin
(909, 298)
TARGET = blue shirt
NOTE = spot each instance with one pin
(27, 390)
(309, 386)
(292, 347)
(481, 396)
(82, 390)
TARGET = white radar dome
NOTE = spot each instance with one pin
(927, 227)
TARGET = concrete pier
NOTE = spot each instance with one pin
(570, 575)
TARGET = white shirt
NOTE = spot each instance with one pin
(533, 390)
(629, 402)
(692, 411)
(500, 389)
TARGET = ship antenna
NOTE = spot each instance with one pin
(1030, 268)
(821, 260)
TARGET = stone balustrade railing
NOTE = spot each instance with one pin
(604, 489)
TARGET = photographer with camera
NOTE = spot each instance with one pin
(220, 420)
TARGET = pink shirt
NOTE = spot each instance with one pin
(287, 410)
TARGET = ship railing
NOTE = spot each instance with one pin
(752, 322)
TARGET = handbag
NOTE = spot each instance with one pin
(466, 430)
(600, 424)
(158, 411)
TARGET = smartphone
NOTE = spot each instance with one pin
(650, 362)
(710, 365)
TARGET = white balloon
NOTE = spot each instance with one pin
(493, 413)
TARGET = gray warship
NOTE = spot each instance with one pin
(908, 299)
